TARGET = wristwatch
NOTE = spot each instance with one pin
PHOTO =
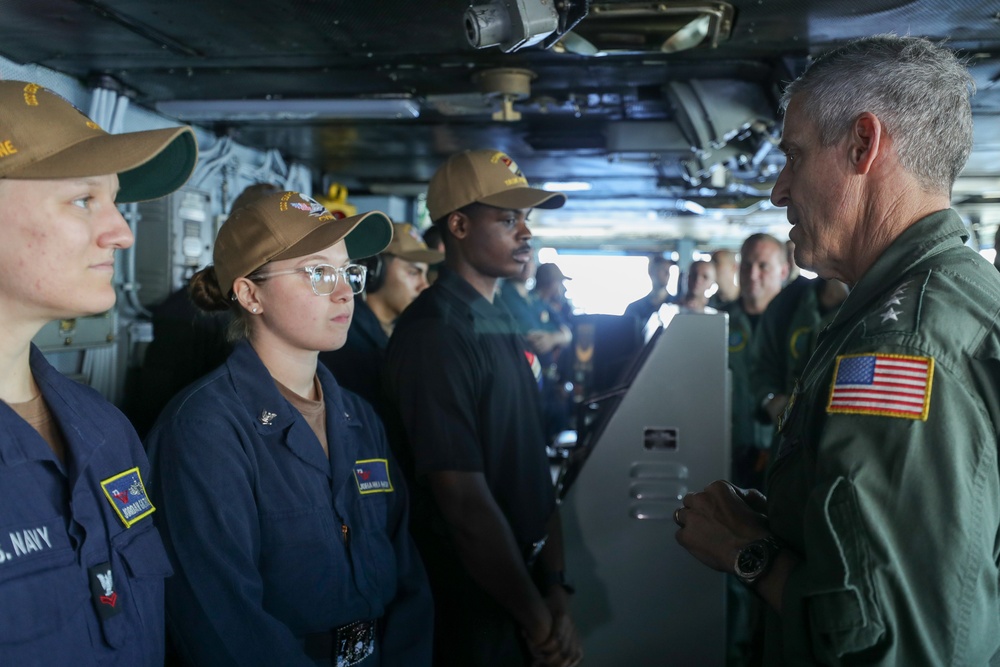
(754, 560)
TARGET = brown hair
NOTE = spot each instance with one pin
(207, 295)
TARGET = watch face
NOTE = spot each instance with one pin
(751, 560)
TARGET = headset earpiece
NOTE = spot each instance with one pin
(376, 273)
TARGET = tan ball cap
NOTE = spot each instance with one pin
(43, 136)
(408, 245)
(286, 225)
(488, 177)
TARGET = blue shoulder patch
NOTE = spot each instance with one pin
(127, 496)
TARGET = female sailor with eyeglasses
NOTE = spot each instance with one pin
(282, 509)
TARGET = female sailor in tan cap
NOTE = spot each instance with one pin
(282, 508)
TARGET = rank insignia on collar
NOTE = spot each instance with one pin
(266, 417)
(892, 308)
(127, 495)
(372, 476)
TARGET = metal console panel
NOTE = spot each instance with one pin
(174, 237)
(641, 599)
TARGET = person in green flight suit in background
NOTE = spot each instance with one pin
(787, 335)
(763, 270)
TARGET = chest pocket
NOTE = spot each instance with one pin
(42, 586)
(139, 564)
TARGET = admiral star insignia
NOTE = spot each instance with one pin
(891, 315)
(894, 300)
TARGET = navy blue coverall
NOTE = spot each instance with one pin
(81, 564)
(274, 545)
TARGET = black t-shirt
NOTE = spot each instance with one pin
(466, 398)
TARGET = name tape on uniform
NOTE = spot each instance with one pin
(372, 476)
(21, 541)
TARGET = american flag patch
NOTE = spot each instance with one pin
(893, 385)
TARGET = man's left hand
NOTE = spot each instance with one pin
(717, 522)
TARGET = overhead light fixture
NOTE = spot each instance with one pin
(650, 27)
(689, 36)
(290, 109)
(566, 186)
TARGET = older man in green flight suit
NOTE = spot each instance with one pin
(878, 541)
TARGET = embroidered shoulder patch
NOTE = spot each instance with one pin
(892, 385)
(372, 476)
(737, 339)
(127, 496)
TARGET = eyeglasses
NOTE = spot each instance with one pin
(323, 278)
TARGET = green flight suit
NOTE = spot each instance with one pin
(785, 337)
(751, 436)
(890, 493)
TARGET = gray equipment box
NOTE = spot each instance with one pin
(641, 599)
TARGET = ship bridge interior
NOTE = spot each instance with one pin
(659, 118)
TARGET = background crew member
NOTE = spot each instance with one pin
(659, 274)
(283, 511)
(81, 565)
(762, 273)
(700, 278)
(557, 312)
(877, 543)
(550, 289)
(395, 278)
(528, 312)
(547, 336)
(786, 337)
(726, 277)
(483, 501)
